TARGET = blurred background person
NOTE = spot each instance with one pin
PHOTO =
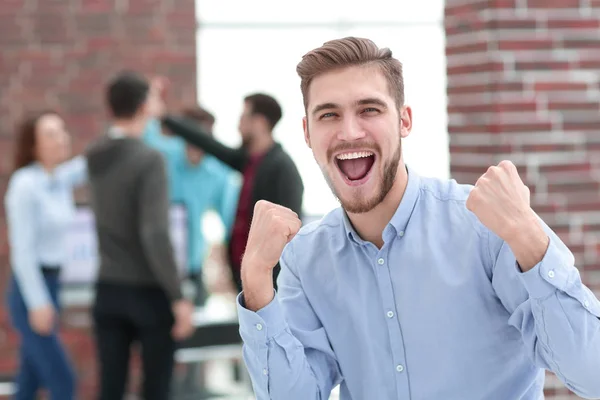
(269, 173)
(39, 208)
(201, 183)
(138, 294)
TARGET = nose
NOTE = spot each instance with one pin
(350, 129)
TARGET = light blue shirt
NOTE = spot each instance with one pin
(441, 311)
(209, 185)
(39, 210)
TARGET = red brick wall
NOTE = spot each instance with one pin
(60, 53)
(523, 85)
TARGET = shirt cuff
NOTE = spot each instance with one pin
(553, 273)
(263, 325)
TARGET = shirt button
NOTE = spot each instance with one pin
(390, 314)
(401, 233)
(586, 303)
(259, 327)
(381, 261)
(265, 372)
(399, 368)
(550, 274)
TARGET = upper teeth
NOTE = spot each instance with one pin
(358, 154)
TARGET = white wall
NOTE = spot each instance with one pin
(248, 46)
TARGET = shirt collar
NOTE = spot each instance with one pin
(115, 132)
(402, 215)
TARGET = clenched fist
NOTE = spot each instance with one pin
(273, 226)
(500, 200)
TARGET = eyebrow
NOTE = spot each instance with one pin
(361, 102)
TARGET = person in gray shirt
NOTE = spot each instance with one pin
(138, 296)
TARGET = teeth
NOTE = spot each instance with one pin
(351, 156)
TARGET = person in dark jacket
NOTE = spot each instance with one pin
(269, 173)
(138, 293)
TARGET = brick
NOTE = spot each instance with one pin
(487, 87)
(590, 43)
(553, 3)
(559, 86)
(97, 6)
(542, 65)
(488, 66)
(12, 7)
(583, 106)
(499, 23)
(528, 44)
(579, 23)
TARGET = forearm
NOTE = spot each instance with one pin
(257, 282)
(529, 243)
(276, 359)
(196, 136)
(159, 251)
(30, 279)
(563, 316)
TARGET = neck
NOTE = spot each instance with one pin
(131, 128)
(261, 144)
(370, 225)
(48, 167)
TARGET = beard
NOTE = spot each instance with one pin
(247, 140)
(361, 202)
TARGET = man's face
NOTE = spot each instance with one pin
(247, 125)
(354, 127)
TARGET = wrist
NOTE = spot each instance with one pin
(528, 242)
(258, 290)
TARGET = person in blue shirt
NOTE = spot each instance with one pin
(416, 288)
(39, 208)
(201, 183)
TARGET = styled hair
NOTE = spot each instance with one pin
(126, 94)
(266, 106)
(348, 52)
(26, 142)
(199, 114)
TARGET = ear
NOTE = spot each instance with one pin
(405, 121)
(306, 133)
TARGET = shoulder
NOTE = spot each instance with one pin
(22, 182)
(442, 205)
(326, 229)
(150, 158)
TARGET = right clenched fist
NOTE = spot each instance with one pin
(273, 226)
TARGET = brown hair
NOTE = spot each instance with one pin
(199, 114)
(346, 52)
(27, 138)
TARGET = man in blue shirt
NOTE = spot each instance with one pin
(417, 288)
(199, 182)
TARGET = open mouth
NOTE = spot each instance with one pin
(355, 166)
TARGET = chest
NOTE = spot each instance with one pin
(423, 304)
(54, 207)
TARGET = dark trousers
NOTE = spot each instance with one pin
(124, 315)
(43, 360)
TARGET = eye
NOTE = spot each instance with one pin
(327, 115)
(370, 110)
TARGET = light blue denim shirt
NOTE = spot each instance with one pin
(39, 210)
(441, 311)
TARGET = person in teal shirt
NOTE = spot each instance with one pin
(201, 183)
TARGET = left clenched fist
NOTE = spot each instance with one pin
(500, 200)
